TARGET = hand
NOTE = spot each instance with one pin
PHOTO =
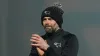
(40, 52)
(39, 42)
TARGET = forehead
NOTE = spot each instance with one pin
(47, 18)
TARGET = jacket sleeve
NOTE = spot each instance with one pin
(33, 52)
(69, 49)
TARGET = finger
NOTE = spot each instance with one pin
(35, 45)
(36, 35)
(35, 38)
(34, 41)
(38, 48)
(45, 41)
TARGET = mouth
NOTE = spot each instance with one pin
(47, 27)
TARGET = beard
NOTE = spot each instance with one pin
(48, 29)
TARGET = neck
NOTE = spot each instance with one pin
(57, 29)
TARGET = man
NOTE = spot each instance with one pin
(56, 41)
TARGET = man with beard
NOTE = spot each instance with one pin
(56, 41)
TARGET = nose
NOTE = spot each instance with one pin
(47, 21)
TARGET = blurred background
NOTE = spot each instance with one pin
(19, 19)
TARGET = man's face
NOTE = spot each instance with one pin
(49, 24)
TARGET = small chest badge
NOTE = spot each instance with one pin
(57, 44)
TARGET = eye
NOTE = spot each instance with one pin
(47, 18)
(50, 18)
(44, 19)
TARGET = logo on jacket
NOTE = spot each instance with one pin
(57, 44)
